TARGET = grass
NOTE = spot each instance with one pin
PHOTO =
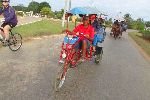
(44, 27)
(144, 44)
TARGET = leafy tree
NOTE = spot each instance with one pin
(44, 4)
(45, 11)
(34, 6)
(129, 20)
(59, 14)
(20, 7)
(140, 24)
(51, 15)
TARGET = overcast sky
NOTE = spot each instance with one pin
(137, 8)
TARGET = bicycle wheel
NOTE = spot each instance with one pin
(98, 57)
(15, 42)
(60, 77)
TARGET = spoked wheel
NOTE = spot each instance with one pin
(60, 77)
(98, 57)
(15, 42)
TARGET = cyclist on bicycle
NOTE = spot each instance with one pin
(10, 19)
(88, 31)
(116, 27)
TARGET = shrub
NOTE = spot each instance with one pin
(146, 34)
(19, 14)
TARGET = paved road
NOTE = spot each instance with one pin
(26, 20)
(29, 73)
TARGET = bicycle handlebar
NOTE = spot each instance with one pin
(80, 34)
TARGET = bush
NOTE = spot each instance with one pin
(20, 14)
(145, 34)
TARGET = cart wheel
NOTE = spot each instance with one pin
(98, 58)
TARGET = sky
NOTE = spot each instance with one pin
(137, 8)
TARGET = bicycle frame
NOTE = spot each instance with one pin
(68, 48)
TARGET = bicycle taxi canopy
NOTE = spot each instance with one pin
(82, 11)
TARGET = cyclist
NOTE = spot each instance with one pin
(10, 19)
(116, 27)
(88, 31)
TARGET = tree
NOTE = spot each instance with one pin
(127, 16)
(129, 20)
(59, 14)
(44, 4)
(140, 24)
(45, 11)
(20, 7)
(34, 6)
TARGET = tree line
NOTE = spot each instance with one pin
(42, 8)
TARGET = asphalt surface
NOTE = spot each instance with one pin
(26, 20)
(28, 74)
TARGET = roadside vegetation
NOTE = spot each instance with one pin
(44, 27)
(141, 41)
(42, 8)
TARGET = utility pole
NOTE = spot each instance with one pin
(65, 9)
(69, 4)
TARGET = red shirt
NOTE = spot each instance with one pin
(81, 29)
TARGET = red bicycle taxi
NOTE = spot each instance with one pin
(71, 54)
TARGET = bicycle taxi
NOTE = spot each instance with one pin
(70, 56)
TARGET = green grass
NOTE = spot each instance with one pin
(44, 27)
(144, 44)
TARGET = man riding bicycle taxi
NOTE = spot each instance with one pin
(88, 31)
(10, 19)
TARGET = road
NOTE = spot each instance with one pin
(26, 20)
(28, 74)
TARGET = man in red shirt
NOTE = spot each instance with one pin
(87, 30)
